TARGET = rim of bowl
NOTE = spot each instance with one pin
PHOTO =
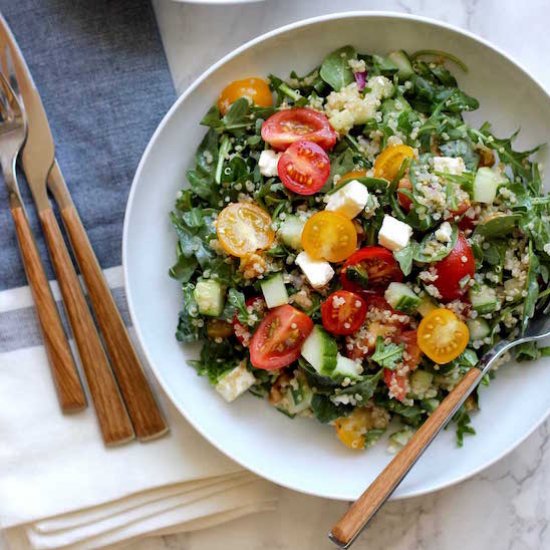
(190, 89)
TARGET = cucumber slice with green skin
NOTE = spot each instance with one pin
(420, 382)
(485, 186)
(426, 305)
(346, 368)
(484, 299)
(402, 298)
(401, 59)
(290, 232)
(401, 438)
(210, 297)
(274, 291)
(320, 351)
(297, 397)
(430, 404)
(479, 329)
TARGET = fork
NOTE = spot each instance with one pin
(113, 419)
(363, 510)
(13, 132)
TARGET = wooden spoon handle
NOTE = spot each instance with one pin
(111, 413)
(362, 511)
(144, 411)
(69, 389)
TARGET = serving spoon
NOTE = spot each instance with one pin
(363, 510)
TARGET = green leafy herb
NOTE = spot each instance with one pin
(335, 69)
(387, 355)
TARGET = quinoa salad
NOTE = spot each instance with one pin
(349, 246)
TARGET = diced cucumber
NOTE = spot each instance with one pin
(297, 397)
(290, 232)
(320, 351)
(401, 59)
(485, 185)
(274, 291)
(426, 305)
(479, 329)
(483, 298)
(421, 382)
(430, 404)
(210, 297)
(346, 368)
(399, 439)
(401, 298)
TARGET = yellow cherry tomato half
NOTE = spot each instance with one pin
(255, 89)
(329, 236)
(353, 175)
(243, 228)
(442, 336)
(351, 429)
(389, 161)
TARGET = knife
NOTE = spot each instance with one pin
(144, 412)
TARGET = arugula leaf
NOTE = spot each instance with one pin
(216, 359)
(188, 329)
(532, 287)
(365, 387)
(183, 269)
(236, 299)
(464, 427)
(387, 355)
(443, 251)
(405, 256)
(335, 69)
(326, 411)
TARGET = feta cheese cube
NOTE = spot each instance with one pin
(394, 234)
(444, 233)
(318, 272)
(235, 383)
(268, 162)
(450, 165)
(349, 200)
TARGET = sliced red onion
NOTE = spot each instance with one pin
(361, 79)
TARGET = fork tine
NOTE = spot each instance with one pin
(12, 75)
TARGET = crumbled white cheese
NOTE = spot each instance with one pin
(394, 234)
(235, 383)
(450, 165)
(318, 272)
(349, 107)
(349, 200)
(444, 233)
(268, 162)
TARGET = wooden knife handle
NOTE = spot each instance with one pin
(111, 413)
(67, 382)
(362, 511)
(144, 411)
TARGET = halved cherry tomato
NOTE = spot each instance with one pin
(370, 268)
(329, 236)
(255, 89)
(353, 175)
(452, 269)
(290, 125)
(399, 383)
(304, 167)
(381, 320)
(389, 161)
(351, 429)
(256, 305)
(278, 340)
(442, 336)
(457, 216)
(218, 328)
(243, 228)
(404, 201)
(343, 312)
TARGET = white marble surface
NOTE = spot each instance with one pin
(506, 506)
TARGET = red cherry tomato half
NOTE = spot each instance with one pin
(304, 168)
(370, 268)
(278, 340)
(399, 383)
(452, 269)
(285, 127)
(404, 201)
(458, 215)
(343, 312)
(254, 304)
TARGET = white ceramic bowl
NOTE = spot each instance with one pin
(302, 454)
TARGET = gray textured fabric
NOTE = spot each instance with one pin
(101, 71)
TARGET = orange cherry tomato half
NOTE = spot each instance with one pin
(370, 268)
(278, 340)
(254, 89)
(304, 168)
(243, 228)
(389, 161)
(343, 312)
(329, 236)
(442, 336)
(351, 429)
(285, 127)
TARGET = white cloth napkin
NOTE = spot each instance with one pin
(61, 488)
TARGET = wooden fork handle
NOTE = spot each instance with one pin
(67, 382)
(111, 413)
(144, 411)
(362, 511)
